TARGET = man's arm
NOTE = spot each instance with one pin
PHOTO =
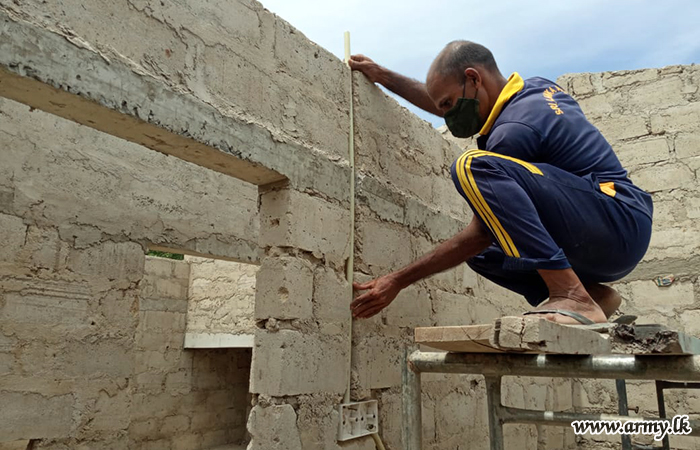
(383, 290)
(412, 90)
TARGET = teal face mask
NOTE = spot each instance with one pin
(463, 118)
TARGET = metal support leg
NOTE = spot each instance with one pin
(623, 410)
(665, 443)
(412, 421)
(493, 402)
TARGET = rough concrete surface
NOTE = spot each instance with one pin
(91, 331)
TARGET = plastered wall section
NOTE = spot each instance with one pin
(652, 119)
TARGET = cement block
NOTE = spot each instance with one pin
(290, 363)
(663, 177)
(613, 80)
(687, 145)
(384, 246)
(292, 219)
(331, 295)
(645, 295)
(663, 93)
(274, 428)
(284, 289)
(35, 416)
(118, 261)
(318, 425)
(643, 151)
(684, 118)
(411, 308)
(622, 127)
(601, 105)
(377, 361)
(12, 235)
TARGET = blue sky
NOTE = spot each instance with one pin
(537, 38)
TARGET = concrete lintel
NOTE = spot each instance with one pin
(218, 340)
(66, 76)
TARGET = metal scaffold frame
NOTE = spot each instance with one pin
(494, 366)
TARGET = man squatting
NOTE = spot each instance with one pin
(555, 214)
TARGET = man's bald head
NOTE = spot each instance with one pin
(457, 56)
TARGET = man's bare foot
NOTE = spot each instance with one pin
(589, 309)
(566, 292)
(606, 297)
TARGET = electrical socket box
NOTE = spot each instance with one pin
(358, 419)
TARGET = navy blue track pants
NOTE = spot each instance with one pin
(542, 217)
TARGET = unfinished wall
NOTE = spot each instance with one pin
(652, 119)
(252, 68)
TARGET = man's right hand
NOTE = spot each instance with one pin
(380, 293)
(371, 69)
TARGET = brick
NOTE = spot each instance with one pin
(690, 321)
(171, 322)
(12, 234)
(158, 267)
(163, 304)
(673, 243)
(687, 145)
(45, 247)
(684, 119)
(411, 308)
(377, 361)
(663, 93)
(122, 261)
(35, 416)
(612, 80)
(186, 441)
(331, 296)
(284, 289)
(293, 219)
(581, 84)
(48, 308)
(642, 151)
(662, 177)
(385, 246)
(622, 127)
(274, 428)
(600, 105)
(290, 363)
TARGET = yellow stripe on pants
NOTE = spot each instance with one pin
(468, 183)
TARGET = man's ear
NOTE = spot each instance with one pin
(473, 76)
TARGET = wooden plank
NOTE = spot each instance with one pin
(462, 339)
(533, 334)
(523, 334)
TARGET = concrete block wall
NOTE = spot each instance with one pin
(91, 331)
(652, 119)
(252, 65)
(182, 399)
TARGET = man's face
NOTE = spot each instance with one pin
(444, 91)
